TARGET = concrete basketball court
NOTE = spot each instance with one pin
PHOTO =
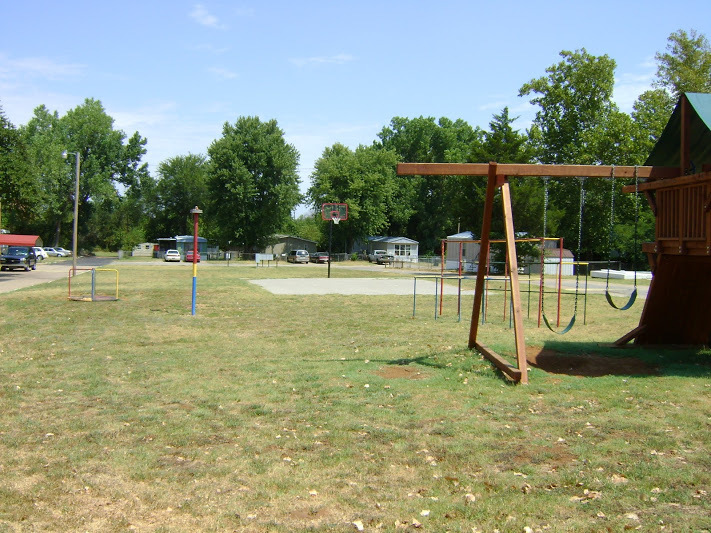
(356, 286)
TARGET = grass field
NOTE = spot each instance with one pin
(335, 413)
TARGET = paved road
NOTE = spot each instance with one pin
(12, 280)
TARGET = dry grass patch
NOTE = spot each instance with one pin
(322, 413)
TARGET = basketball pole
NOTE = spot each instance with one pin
(330, 240)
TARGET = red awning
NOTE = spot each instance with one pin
(18, 240)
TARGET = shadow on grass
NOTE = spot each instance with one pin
(594, 360)
(424, 360)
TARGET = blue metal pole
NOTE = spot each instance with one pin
(194, 292)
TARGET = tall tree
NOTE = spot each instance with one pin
(577, 122)
(426, 140)
(574, 97)
(182, 185)
(18, 189)
(686, 66)
(110, 168)
(365, 180)
(253, 182)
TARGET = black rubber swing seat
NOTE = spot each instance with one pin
(625, 307)
(565, 330)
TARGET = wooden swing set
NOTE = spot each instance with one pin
(677, 307)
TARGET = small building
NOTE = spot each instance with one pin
(145, 249)
(182, 243)
(14, 239)
(286, 243)
(462, 248)
(551, 262)
(402, 248)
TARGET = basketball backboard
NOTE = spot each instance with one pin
(335, 212)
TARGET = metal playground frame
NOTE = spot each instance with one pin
(92, 295)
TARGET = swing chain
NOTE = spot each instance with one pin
(612, 216)
(633, 295)
(545, 205)
(636, 220)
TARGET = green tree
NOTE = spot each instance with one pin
(182, 184)
(253, 183)
(45, 140)
(110, 170)
(365, 180)
(573, 98)
(503, 144)
(308, 226)
(651, 112)
(578, 123)
(18, 190)
(686, 66)
(426, 213)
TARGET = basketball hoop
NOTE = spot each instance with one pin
(336, 212)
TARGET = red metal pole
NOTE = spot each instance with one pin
(195, 212)
(461, 244)
(441, 279)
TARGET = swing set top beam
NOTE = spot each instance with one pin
(525, 170)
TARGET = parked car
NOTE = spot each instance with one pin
(40, 253)
(54, 252)
(380, 257)
(18, 257)
(172, 255)
(319, 257)
(189, 256)
(298, 256)
(63, 250)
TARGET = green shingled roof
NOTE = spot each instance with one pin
(666, 152)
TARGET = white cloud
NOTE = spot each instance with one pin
(168, 129)
(139, 119)
(222, 73)
(244, 11)
(209, 48)
(38, 67)
(338, 59)
(202, 16)
(628, 87)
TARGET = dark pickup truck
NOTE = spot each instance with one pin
(18, 257)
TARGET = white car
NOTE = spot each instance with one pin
(172, 255)
(54, 252)
(62, 250)
(40, 253)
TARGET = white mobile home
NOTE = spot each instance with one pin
(402, 248)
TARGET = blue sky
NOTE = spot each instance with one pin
(327, 71)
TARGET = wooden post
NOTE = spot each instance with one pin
(515, 287)
(483, 253)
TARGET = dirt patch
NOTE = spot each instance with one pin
(310, 515)
(586, 365)
(553, 457)
(404, 372)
